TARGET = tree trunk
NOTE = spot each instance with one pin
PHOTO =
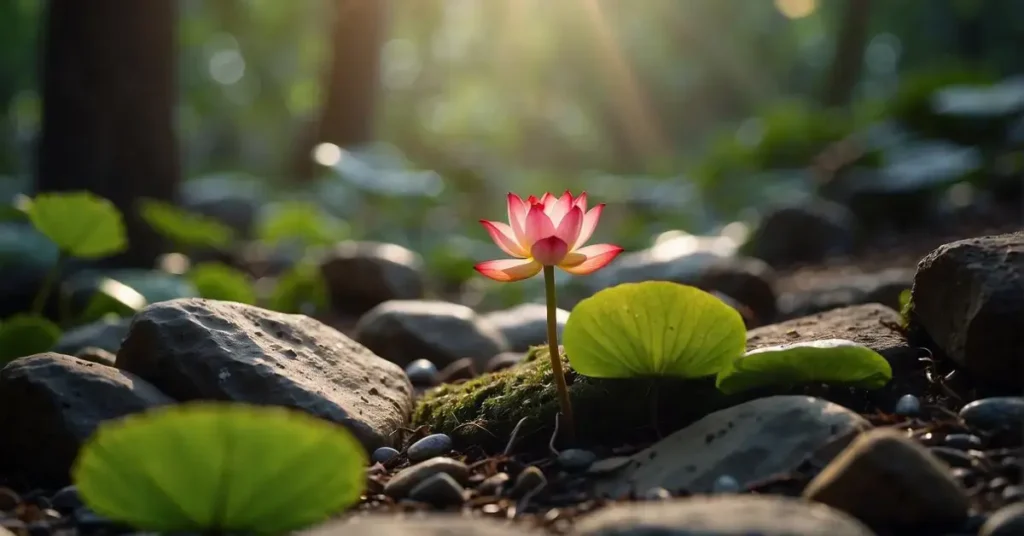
(848, 60)
(351, 83)
(109, 93)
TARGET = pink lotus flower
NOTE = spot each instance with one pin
(546, 232)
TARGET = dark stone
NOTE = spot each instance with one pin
(803, 233)
(362, 275)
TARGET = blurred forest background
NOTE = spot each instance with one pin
(405, 121)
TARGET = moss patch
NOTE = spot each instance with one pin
(483, 411)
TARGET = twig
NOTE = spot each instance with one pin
(515, 435)
(554, 435)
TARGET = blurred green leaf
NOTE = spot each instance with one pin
(184, 228)
(24, 334)
(82, 224)
(112, 297)
(299, 289)
(306, 223)
(217, 281)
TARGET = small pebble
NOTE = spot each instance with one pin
(67, 499)
(492, 485)
(422, 373)
(908, 406)
(963, 441)
(1007, 521)
(406, 479)
(1002, 413)
(503, 361)
(576, 460)
(657, 494)
(529, 480)
(383, 455)
(953, 457)
(725, 484)
(432, 446)
(439, 490)
(1013, 494)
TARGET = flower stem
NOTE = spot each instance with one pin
(569, 426)
(39, 302)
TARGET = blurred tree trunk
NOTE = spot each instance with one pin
(109, 93)
(848, 60)
(351, 81)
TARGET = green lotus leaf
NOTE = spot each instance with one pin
(218, 281)
(82, 224)
(184, 228)
(653, 328)
(217, 467)
(306, 223)
(25, 334)
(834, 361)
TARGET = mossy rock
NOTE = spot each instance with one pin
(483, 411)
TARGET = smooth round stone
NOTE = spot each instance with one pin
(953, 457)
(384, 455)
(422, 372)
(657, 494)
(67, 499)
(1002, 413)
(429, 447)
(725, 484)
(1013, 493)
(439, 490)
(908, 405)
(963, 441)
(1007, 521)
(576, 460)
(529, 480)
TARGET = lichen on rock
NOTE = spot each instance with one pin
(483, 411)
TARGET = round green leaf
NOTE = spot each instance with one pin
(218, 281)
(111, 297)
(828, 361)
(301, 289)
(184, 228)
(220, 467)
(653, 328)
(80, 223)
(24, 334)
(305, 223)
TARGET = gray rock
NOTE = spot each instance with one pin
(402, 483)
(1001, 413)
(383, 455)
(968, 296)
(907, 406)
(432, 446)
(51, 403)
(67, 499)
(872, 325)
(362, 275)
(750, 441)
(420, 525)
(725, 484)
(723, 515)
(422, 372)
(195, 349)
(884, 478)
(439, 490)
(231, 199)
(1007, 521)
(576, 460)
(845, 289)
(106, 334)
(404, 330)
(807, 232)
(526, 325)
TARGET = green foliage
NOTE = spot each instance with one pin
(906, 306)
(25, 334)
(218, 281)
(306, 223)
(653, 328)
(111, 298)
(300, 288)
(912, 105)
(184, 228)
(80, 223)
(220, 467)
(833, 361)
